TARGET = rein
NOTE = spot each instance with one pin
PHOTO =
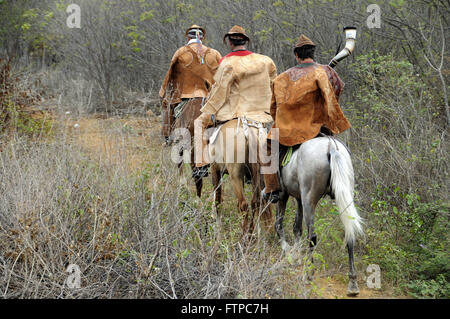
(178, 110)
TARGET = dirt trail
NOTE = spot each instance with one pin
(117, 140)
(136, 141)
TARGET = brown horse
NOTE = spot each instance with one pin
(185, 120)
(231, 152)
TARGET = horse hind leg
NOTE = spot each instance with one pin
(181, 163)
(281, 208)
(254, 176)
(309, 206)
(255, 203)
(182, 178)
(308, 211)
(298, 223)
(267, 217)
(352, 289)
(198, 181)
(199, 186)
(261, 209)
(216, 181)
(237, 180)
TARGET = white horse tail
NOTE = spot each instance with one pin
(342, 183)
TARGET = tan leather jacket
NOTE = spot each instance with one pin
(187, 77)
(303, 101)
(242, 88)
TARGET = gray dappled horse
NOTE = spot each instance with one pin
(319, 167)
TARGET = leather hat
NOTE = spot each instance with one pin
(303, 40)
(194, 26)
(236, 30)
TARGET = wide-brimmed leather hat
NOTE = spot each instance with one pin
(236, 30)
(194, 26)
(303, 40)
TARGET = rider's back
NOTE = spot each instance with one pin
(242, 88)
(303, 102)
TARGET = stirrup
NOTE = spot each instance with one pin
(272, 197)
(167, 141)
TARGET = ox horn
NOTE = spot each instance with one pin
(350, 38)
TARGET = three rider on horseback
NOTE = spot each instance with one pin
(301, 102)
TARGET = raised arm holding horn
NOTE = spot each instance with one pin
(350, 38)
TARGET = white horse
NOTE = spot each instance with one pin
(319, 167)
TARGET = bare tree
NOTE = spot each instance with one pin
(438, 65)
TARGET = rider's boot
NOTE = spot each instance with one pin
(200, 172)
(272, 190)
(272, 197)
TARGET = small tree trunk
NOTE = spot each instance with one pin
(43, 57)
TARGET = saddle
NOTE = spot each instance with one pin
(244, 124)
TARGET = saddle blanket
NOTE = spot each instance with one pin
(244, 124)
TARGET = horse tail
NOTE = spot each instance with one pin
(342, 183)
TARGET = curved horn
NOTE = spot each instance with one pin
(350, 37)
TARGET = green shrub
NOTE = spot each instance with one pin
(400, 158)
(439, 288)
(16, 106)
(410, 243)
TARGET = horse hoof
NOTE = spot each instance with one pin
(243, 207)
(352, 290)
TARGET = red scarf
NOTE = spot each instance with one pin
(236, 53)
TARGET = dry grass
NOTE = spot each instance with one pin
(60, 207)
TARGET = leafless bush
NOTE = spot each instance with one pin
(58, 207)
